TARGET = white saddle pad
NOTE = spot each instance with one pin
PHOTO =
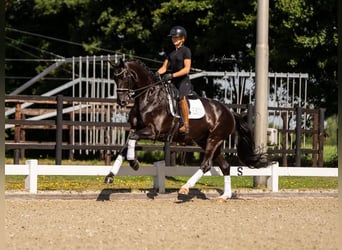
(196, 110)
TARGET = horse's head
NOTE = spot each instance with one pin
(124, 83)
(130, 76)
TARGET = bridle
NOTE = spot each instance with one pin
(133, 93)
(126, 74)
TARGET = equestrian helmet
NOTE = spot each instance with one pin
(178, 31)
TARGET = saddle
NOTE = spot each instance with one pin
(196, 108)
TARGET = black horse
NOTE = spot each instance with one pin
(151, 118)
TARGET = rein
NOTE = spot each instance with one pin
(142, 90)
(127, 74)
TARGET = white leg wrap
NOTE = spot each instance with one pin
(192, 181)
(227, 187)
(131, 149)
(117, 164)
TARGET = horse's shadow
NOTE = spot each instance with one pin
(193, 194)
(105, 194)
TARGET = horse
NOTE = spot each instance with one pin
(151, 118)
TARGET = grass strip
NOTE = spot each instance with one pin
(94, 183)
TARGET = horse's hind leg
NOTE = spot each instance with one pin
(210, 148)
(191, 182)
(225, 168)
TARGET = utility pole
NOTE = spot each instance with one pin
(2, 126)
(262, 85)
(339, 122)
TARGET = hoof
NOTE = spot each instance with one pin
(222, 198)
(134, 164)
(109, 178)
(183, 190)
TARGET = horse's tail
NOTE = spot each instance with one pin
(246, 147)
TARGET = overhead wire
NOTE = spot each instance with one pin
(38, 58)
(30, 60)
(46, 37)
(23, 51)
(35, 48)
(80, 44)
(60, 40)
(71, 42)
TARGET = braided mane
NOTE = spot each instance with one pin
(143, 65)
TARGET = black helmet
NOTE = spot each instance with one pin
(178, 31)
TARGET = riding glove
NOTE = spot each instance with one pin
(167, 77)
(157, 75)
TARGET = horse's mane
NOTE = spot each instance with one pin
(153, 77)
(147, 69)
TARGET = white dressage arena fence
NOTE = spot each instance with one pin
(31, 169)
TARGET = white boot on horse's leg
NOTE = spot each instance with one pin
(114, 170)
(133, 162)
(131, 150)
(191, 182)
(185, 189)
(227, 194)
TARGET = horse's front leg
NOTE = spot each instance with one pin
(129, 150)
(144, 133)
(115, 169)
(132, 160)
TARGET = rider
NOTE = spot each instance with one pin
(179, 61)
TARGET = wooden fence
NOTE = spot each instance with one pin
(61, 107)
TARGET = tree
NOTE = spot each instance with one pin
(303, 35)
(306, 41)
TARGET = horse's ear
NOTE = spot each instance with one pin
(119, 64)
(122, 63)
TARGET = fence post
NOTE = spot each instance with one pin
(17, 129)
(315, 134)
(59, 130)
(250, 113)
(284, 143)
(298, 136)
(321, 137)
(167, 153)
(273, 180)
(159, 180)
(32, 178)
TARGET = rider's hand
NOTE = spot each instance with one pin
(167, 77)
(157, 75)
